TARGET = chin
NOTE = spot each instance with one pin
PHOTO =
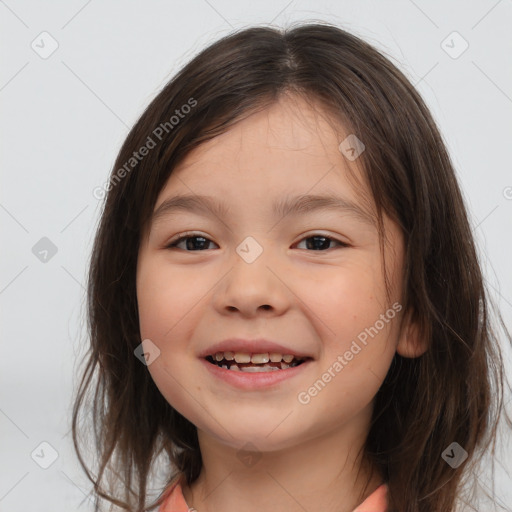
(247, 438)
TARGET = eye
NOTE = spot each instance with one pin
(199, 242)
(319, 242)
(202, 242)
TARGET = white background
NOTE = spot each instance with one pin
(65, 117)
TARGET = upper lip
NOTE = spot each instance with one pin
(256, 346)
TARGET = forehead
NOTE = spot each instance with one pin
(290, 146)
(289, 124)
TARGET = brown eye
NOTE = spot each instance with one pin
(195, 242)
(320, 242)
(192, 243)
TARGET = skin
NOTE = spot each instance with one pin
(315, 300)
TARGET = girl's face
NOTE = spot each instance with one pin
(310, 280)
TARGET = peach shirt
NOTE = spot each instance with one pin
(175, 501)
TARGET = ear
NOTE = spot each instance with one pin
(410, 342)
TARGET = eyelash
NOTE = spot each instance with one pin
(185, 236)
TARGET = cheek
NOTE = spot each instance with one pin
(355, 323)
(169, 308)
(350, 374)
(165, 298)
(171, 375)
(346, 300)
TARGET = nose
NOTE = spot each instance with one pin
(251, 287)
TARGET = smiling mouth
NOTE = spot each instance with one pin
(244, 362)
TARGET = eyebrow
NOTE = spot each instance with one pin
(298, 205)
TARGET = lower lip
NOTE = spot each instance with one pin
(254, 380)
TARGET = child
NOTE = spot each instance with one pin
(271, 372)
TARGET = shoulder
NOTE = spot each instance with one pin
(376, 502)
(174, 501)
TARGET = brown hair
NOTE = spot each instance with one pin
(451, 393)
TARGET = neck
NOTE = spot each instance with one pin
(326, 473)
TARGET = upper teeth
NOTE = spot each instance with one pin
(244, 357)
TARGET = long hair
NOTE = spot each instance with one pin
(452, 393)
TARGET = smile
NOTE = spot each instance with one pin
(238, 370)
(254, 363)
